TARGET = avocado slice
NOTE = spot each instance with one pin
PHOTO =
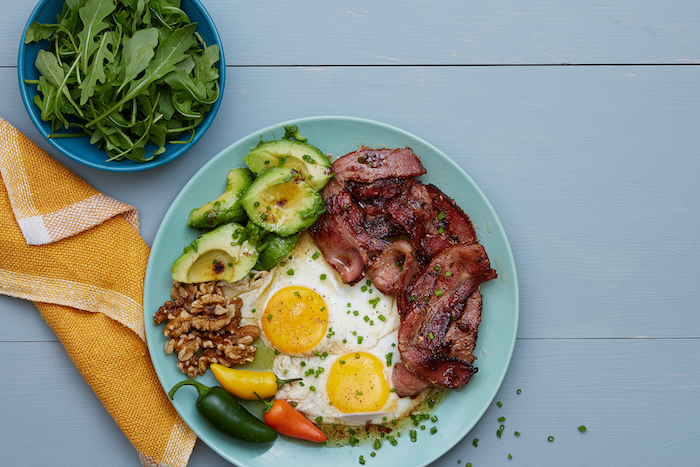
(280, 201)
(275, 249)
(227, 207)
(306, 159)
(220, 254)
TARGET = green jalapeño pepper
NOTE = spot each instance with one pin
(227, 415)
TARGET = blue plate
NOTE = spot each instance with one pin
(80, 149)
(460, 410)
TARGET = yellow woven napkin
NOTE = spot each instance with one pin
(77, 254)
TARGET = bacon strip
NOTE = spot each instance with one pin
(394, 269)
(367, 165)
(435, 300)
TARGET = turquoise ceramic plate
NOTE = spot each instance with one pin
(460, 410)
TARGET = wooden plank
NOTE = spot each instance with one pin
(637, 410)
(592, 170)
(440, 32)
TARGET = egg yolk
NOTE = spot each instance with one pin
(356, 383)
(295, 320)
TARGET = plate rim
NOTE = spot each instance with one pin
(454, 440)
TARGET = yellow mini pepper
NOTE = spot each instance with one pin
(244, 384)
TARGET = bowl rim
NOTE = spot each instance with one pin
(126, 165)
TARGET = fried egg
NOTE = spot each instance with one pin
(352, 388)
(340, 339)
(305, 309)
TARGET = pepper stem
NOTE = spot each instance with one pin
(282, 382)
(201, 389)
(268, 405)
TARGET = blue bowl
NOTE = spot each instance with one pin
(79, 148)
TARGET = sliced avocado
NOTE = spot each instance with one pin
(306, 159)
(275, 249)
(220, 254)
(280, 201)
(227, 207)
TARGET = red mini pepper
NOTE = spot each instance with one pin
(283, 418)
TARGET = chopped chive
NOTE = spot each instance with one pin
(377, 443)
(499, 404)
(550, 439)
(517, 433)
(381, 318)
(438, 292)
(518, 391)
(433, 430)
(475, 442)
(582, 428)
(501, 419)
(316, 254)
(441, 216)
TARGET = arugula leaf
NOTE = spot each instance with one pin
(37, 32)
(48, 66)
(138, 50)
(92, 15)
(97, 70)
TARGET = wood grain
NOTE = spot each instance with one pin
(441, 32)
(592, 167)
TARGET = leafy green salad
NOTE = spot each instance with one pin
(126, 73)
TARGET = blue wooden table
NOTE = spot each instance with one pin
(580, 121)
